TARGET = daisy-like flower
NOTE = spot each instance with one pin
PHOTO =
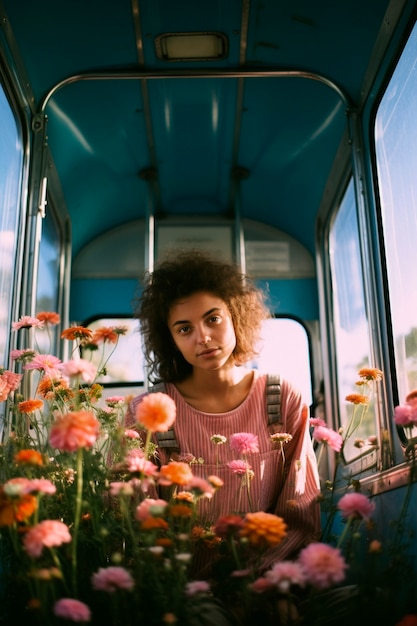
(370, 374)
(328, 436)
(22, 355)
(75, 430)
(111, 579)
(46, 534)
(29, 457)
(355, 505)
(27, 322)
(49, 387)
(281, 438)
(77, 332)
(10, 380)
(323, 565)
(218, 439)
(105, 334)
(29, 406)
(357, 398)
(47, 363)
(114, 401)
(263, 529)
(79, 368)
(72, 610)
(49, 317)
(244, 443)
(156, 412)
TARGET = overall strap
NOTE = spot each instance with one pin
(273, 399)
(165, 439)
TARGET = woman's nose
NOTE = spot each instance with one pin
(203, 337)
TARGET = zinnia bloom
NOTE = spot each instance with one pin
(370, 373)
(239, 467)
(27, 322)
(137, 462)
(76, 332)
(73, 610)
(323, 565)
(11, 379)
(156, 412)
(357, 398)
(263, 529)
(48, 387)
(71, 431)
(328, 436)
(48, 533)
(45, 362)
(175, 472)
(30, 406)
(244, 443)
(49, 317)
(355, 505)
(111, 579)
(284, 574)
(29, 457)
(104, 334)
(80, 368)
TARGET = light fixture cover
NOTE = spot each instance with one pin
(198, 46)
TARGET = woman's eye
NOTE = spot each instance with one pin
(183, 330)
(215, 319)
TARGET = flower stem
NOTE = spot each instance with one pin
(77, 517)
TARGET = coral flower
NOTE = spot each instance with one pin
(175, 472)
(17, 509)
(30, 406)
(76, 332)
(370, 373)
(228, 525)
(328, 436)
(29, 457)
(244, 443)
(355, 505)
(46, 362)
(49, 317)
(111, 579)
(72, 610)
(156, 412)
(4, 390)
(104, 334)
(80, 368)
(27, 322)
(48, 387)
(71, 431)
(11, 379)
(263, 529)
(323, 565)
(46, 534)
(357, 398)
(137, 462)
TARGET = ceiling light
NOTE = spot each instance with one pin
(191, 46)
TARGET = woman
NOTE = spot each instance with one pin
(201, 321)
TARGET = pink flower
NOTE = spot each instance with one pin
(239, 467)
(131, 434)
(329, 436)
(79, 368)
(156, 412)
(41, 485)
(355, 505)
(405, 415)
(71, 431)
(150, 507)
(46, 362)
(11, 380)
(284, 574)
(323, 565)
(72, 610)
(244, 443)
(21, 485)
(49, 534)
(115, 400)
(202, 486)
(111, 579)
(27, 322)
(121, 488)
(317, 421)
(137, 462)
(22, 355)
(196, 586)
(4, 390)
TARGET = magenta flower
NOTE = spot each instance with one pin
(112, 579)
(355, 505)
(46, 362)
(405, 415)
(323, 565)
(73, 610)
(80, 368)
(27, 322)
(328, 436)
(49, 534)
(197, 586)
(239, 467)
(244, 443)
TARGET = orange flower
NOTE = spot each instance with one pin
(411, 396)
(71, 431)
(370, 373)
(48, 387)
(154, 523)
(263, 529)
(76, 332)
(49, 317)
(180, 510)
(164, 542)
(175, 472)
(357, 398)
(30, 406)
(16, 509)
(104, 334)
(156, 412)
(30, 457)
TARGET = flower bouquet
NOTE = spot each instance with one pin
(94, 530)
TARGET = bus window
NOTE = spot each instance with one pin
(350, 320)
(396, 154)
(284, 349)
(10, 176)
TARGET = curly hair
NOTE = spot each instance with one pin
(179, 275)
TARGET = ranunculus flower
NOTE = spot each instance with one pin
(73, 610)
(29, 456)
(244, 443)
(284, 574)
(112, 579)
(156, 412)
(71, 431)
(175, 472)
(323, 565)
(263, 529)
(48, 533)
(355, 505)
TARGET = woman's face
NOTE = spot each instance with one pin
(202, 329)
